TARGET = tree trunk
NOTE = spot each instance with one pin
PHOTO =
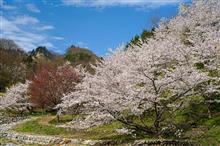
(209, 112)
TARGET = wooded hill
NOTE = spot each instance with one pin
(16, 65)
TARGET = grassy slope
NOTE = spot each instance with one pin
(211, 131)
(211, 137)
(105, 132)
(207, 131)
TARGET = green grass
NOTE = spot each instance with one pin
(108, 129)
(40, 112)
(36, 128)
(104, 132)
(63, 119)
(212, 122)
(210, 137)
(205, 131)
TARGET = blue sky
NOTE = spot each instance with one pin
(95, 24)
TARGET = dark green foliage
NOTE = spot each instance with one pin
(76, 55)
(144, 36)
(81, 56)
(210, 137)
(147, 34)
(135, 40)
(213, 73)
(200, 66)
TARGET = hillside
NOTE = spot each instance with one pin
(16, 65)
(12, 67)
(81, 56)
(41, 52)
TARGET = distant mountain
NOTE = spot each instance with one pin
(7, 44)
(10, 52)
(41, 53)
(81, 56)
(38, 57)
(16, 65)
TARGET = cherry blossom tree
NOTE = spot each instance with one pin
(16, 99)
(151, 81)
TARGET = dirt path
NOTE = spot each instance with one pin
(40, 139)
(46, 119)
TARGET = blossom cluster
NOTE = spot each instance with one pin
(158, 74)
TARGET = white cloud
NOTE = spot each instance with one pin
(109, 3)
(26, 38)
(45, 27)
(24, 20)
(33, 8)
(7, 25)
(58, 38)
(27, 31)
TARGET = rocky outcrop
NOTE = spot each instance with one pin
(46, 140)
(8, 120)
(163, 142)
(31, 139)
